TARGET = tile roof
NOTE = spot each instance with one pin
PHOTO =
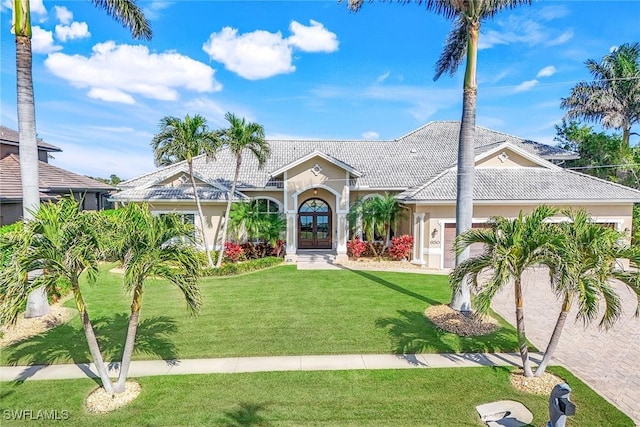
(523, 184)
(12, 137)
(397, 164)
(52, 179)
(183, 192)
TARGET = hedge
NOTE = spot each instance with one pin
(233, 269)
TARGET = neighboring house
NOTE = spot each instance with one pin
(314, 183)
(54, 182)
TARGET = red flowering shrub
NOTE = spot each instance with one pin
(401, 247)
(233, 251)
(356, 247)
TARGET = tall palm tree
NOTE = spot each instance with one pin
(151, 247)
(125, 12)
(61, 241)
(467, 16)
(587, 264)
(511, 246)
(239, 137)
(182, 140)
(613, 98)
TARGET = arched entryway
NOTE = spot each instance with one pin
(314, 225)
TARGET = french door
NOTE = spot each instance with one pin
(314, 225)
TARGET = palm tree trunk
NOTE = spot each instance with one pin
(92, 342)
(130, 342)
(626, 134)
(461, 300)
(202, 222)
(228, 209)
(28, 145)
(555, 336)
(522, 336)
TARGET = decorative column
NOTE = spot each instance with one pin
(343, 232)
(418, 238)
(291, 237)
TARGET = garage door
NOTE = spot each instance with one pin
(449, 237)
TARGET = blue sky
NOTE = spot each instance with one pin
(302, 69)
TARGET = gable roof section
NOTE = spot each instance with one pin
(388, 165)
(490, 150)
(12, 137)
(155, 190)
(310, 156)
(52, 179)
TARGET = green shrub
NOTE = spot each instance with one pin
(5, 250)
(233, 269)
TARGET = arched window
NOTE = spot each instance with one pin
(267, 206)
(314, 205)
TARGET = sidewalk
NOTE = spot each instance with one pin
(231, 365)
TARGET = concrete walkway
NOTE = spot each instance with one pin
(606, 360)
(266, 364)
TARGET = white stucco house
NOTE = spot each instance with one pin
(314, 183)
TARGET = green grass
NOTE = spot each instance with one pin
(427, 397)
(280, 311)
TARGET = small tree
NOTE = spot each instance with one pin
(511, 246)
(182, 140)
(154, 247)
(586, 264)
(239, 137)
(61, 242)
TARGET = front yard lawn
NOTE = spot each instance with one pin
(409, 397)
(279, 311)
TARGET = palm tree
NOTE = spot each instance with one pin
(387, 212)
(180, 140)
(613, 98)
(61, 242)
(240, 136)
(511, 246)
(364, 216)
(462, 40)
(151, 246)
(125, 12)
(587, 263)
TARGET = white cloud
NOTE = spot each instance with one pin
(547, 71)
(37, 7)
(381, 78)
(42, 41)
(63, 15)
(115, 73)
(77, 30)
(521, 28)
(111, 95)
(526, 86)
(549, 13)
(254, 56)
(154, 9)
(561, 39)
(261, 54)
(370, 135)
(315, 38)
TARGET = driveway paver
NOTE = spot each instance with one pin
(605, 360)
